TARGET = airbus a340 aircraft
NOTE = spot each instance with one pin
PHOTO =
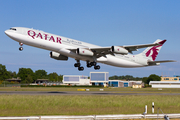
(61, 48)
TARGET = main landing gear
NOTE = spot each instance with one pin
(89, 64)
(78, 64)
(21, 48)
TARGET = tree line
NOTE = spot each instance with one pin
(126, 77)
(27, 75)
(146, 80)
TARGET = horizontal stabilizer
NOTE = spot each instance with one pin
(162, 61)
(158, 62)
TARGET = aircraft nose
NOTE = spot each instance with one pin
(7, 32)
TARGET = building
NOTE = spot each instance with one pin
(118, 83)
(164, 84)
(41, 81)
(114, 83)
(96, 78)
(177, 76)
(14, 80)
(76, 80)
(173, 79)
(124, 83)
(99, 78)
(137, 85)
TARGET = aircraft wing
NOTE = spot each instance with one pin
(98, 52)
(131, 48)
(102, 51)
(108, 50)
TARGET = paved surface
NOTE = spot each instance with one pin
(93, 117)
(79, 93)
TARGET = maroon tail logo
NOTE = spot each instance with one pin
(154, 50)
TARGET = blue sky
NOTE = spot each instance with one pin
(101, 22)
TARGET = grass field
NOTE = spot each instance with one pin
(29, 105)
(25, 105)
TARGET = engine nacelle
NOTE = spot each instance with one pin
(58, 56)
(119, 50)
(81, 51)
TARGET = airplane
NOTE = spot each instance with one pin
(62, 48)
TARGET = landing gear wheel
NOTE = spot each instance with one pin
(89, 65)
(97, 67)
(93, 63)
(20, 48)
(21, 44)
(77, 65)
(80, 68)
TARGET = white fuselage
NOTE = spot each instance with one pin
(64, 45)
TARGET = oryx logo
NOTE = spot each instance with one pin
(154, 50)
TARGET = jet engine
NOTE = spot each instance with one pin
(58, 56)
(119, 50)
(86, 52)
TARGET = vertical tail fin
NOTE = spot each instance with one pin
(152, 52)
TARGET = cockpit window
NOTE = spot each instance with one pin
(13, 29)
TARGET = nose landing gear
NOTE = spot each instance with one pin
(21, 48)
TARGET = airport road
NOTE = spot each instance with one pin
(78, 93)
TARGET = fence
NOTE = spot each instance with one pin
(19, 84)
(11, 85)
